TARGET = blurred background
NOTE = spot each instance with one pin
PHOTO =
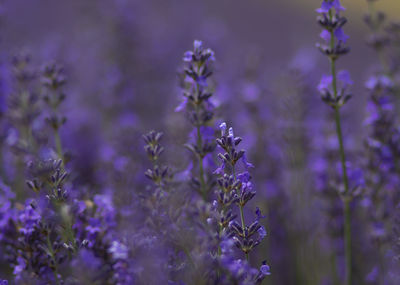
(122, 59)
(143, 41)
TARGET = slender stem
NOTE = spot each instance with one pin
(346, 195)
(19, 184)
(241, 212)
(342, 153)
(220, 229)
(243, 226)
(382, 267)
(57, 138)
(347, 235)
(346, 198)
(336, 280)
(189, 256)
(66, 225)
(203, 190)
(58, 145)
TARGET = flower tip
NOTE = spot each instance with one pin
(262, 232)
(222, 126)
(265, 269)
(231, 132)
(197, 44)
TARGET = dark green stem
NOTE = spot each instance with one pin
(203, 190)
(189, 256)
(346, 195)
(58, 143)
(347, 235)
(241, 211)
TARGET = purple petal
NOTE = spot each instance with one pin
(325, 7)
(325, 83)
(344, 77)
(326, 36)
(340, 35)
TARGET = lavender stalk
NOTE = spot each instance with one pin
(53, 80)
(199, 109)
(335, 39)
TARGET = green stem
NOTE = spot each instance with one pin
(346, 195)
(189, 256)
(347, 235)
(58, 143)
(241, 211)
(335, 278)
(66, 224)
(342, 153)
(19, 184)
(203, 190)
(243, 227)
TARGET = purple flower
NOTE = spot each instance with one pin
(325, 83)
(236, 189)
(246, 164)
(28, 218)
(326, 36)
(373, 275)
(259, 215)
(340, 35)
(118, 250)
(198, 45)
(220, 169)
(376, 82)
(332, 24)
(244, 177)
(222, 126)
(181, 106)
(262, 232)
(326, 5)
(188, 56)
(265, 269)
(20, 267)
(344, 77)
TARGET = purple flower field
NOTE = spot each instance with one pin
(200, 142)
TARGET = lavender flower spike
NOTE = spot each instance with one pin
(334, 47)
(237, 189)
(198, 68)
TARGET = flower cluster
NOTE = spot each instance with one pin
(327, 93)
(381, 151)
(237, 189)
(158, 174)
(336, 97)
(53, 81)
(332, 23)
(334, 46)
(44, 235)
(200, 111)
